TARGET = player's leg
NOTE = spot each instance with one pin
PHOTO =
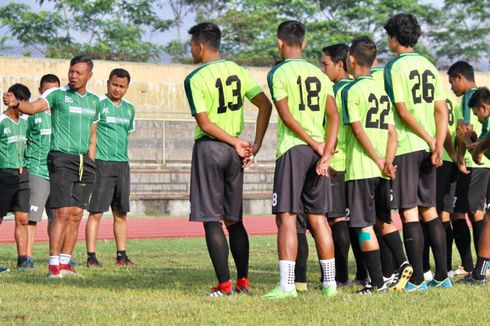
(207, 197)
(91, 231)
(300, 279)
(405, 192)
(478, 195)
(20, 206)
(387, 264)
(428, 276)
(361, 271)
(479, 274)
(120, 208)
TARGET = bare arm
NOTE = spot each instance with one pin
(243, 148)
(449, 146)
(93, 141)
(365, 142)
(441, 119)
(27, 107)
(389, 169)
(288, 120)
(265, 109)
(331, 136)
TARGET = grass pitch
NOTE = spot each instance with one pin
(171, 276)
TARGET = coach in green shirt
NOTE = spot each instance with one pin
(71, 160)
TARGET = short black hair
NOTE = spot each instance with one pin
(479, 97)
(121, 73)
(207, 33)
(82, 59)
(20, 91)
(405, 28)
(292, 32)
(364, 50)
(49, 78)
(338, 52)
(462, 68)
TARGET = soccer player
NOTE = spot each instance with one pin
(14, 176)
(414, 86)
(38, 144)
(480, 105)
(334, 65)
(215, 92)
(370, 150)
(303, 97)
(71, 159)
(471, 189)
(112, 167)
(446, 183)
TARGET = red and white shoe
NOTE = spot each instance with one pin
(67, 270)
(242, 286)
(54, 271)
(222, 289)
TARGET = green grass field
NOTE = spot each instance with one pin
(168, 284)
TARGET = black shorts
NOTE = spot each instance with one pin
(415, 182)
(367, 200)
(216, 182)
(297, 185)
(337, 189)
(112, 186)
(14, 191)
(471, 190)
(446, 186)
(72, 179)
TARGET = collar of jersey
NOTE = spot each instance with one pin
(363, 77)
(344, 79)
(214, 61)
(294, 59)
(7, 116)
(408, 53)
(68, 88)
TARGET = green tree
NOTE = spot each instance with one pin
(103, 29)
(464, 30)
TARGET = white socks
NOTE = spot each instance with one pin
(65, 259)
(286, 272)
(328, 270)
(54, 260)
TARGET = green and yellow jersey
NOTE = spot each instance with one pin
(364, 101)
(412, 79)
(218, 88)
(12, 142)
(116, 122)
(306, 89)
(38, 143)
(480, 129)
(378, 75)
(338, 159)
(72, 116)
(454, 114)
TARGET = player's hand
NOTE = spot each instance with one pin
(380, 162)
(243, 148)
(332, 172)
(476, 155)
(323, 165)
(461, 165)
(389, 170)
(319, 148)
(9, 99)
(436, 159)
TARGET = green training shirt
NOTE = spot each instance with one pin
(12, 142)
(306, 89)
(412, 79)
(38, 143)
(116, 122)
(218, 88)
(378, 75)
(454, 114)
(479, 128)
(338, 160)
(366, 102)
(72, 116)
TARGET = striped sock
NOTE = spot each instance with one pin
(482, 265)
(286, 272)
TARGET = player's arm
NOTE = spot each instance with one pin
(265, 109)
(461, 147)
(242, 147)
(441, 120)
(365, 142)
(389, 169)
(26, 107)
(482, 146)
(287, 118)
(93, 141)
(409, 120)
(332, 131)
(448, 145)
